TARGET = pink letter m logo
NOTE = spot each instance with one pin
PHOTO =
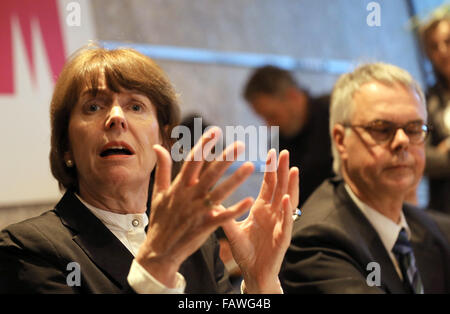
(45, 12)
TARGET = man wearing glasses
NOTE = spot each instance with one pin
(356, 234)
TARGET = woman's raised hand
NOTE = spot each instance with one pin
(186, 211)
(259, 243)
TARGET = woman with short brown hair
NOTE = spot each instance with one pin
(111, 117)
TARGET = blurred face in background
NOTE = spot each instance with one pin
(438, 47)
(272, 109)
(288, 110)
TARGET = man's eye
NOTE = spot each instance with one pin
(414, 129)
(383, 130)
(381, 126)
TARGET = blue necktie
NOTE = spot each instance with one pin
(405, 256)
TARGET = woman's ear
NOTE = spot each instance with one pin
(68, 160)
(164, 137)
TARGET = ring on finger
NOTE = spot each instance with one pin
(208, 202)
(297, 213)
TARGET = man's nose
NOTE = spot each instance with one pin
(400, 140)
(116, 118)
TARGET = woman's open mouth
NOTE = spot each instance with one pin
(116, 149)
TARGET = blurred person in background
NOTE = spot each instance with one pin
(435, 38)
(276, 97)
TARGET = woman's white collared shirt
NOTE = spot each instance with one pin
(130, 230)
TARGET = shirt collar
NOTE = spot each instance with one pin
(120, 222)
(387, 229)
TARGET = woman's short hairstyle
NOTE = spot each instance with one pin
(342, 105)
(122, 68)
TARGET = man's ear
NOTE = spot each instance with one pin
(338, 136)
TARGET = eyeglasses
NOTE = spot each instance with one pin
(383, 131)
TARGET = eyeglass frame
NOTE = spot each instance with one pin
(425, 129)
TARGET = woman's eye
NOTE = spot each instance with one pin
(136, 107)
(93, 107)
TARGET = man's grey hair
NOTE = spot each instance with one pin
(342, 106)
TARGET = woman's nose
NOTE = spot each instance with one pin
(116, 118)
(442, 48)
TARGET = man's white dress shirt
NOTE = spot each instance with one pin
(387, 229)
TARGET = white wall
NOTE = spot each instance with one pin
(24, 132)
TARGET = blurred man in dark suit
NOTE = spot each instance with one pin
(275, 96)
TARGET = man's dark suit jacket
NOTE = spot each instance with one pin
(333, 243)
(34, 255)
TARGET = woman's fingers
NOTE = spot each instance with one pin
(224, 189)
(193, 165)
(163, 169)
(226, 217)
(287, 219)
(282, 179)
(233, 212)
(270, 178)
(293, 187)
(217, 168)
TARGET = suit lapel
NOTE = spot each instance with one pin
(372, 247)
(100, 244)
(429, 251)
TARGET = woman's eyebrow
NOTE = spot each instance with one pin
(94, 92)
(138, 95)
